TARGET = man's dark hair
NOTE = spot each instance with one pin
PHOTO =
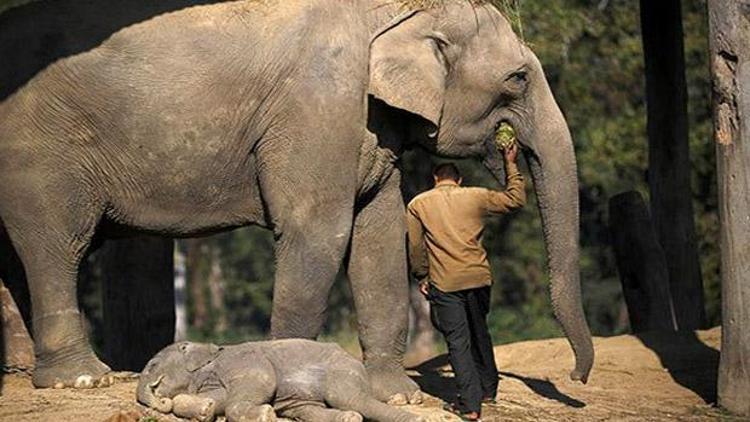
(447, 171)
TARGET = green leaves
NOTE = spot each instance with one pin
(505, 136)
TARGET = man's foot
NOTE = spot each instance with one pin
(465, 416)
(391, 385)
(77, 368)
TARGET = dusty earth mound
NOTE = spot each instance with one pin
(659, 376)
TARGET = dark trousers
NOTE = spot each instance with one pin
(462, 319)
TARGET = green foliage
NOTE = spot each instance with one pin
(505, 136)
(7, 4)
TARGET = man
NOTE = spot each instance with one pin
(446, 255)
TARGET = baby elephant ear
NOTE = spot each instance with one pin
(200, 355)
(407, 67)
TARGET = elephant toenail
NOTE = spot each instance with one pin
(398, 399)
(416, 398)
(84, 381)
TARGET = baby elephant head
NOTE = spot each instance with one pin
(169, 373)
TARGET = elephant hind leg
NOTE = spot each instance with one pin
(375, 410)
(378, 274)
(316, 412)
(51, 233)
(241, 411)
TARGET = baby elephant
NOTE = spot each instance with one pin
(300, 379)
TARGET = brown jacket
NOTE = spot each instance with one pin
(445, 230)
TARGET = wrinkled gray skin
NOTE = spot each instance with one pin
(301, 379)
(290, 116)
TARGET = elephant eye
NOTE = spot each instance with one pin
(518, 76)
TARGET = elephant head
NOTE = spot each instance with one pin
(459, 71)
(170, 372)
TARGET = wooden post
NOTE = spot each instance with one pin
(669, 162)
(641, 264)
(137, 299)
(729, 41)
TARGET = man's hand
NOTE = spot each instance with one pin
(511, 153)
(423, 286)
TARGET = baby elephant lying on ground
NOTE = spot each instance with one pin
(299, 379)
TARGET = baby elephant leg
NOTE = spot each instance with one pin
(350, 392)
(246, 411)
(316, 412)
(375, 410)
(188, 406)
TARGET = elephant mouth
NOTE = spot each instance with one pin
(154, 399)
(491, 140)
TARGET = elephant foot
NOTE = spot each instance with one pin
(349, 416)
(391, 385)
(72, 369)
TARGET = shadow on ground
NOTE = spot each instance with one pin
(689, 361)
(435, 381)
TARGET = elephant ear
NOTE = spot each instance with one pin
(198, 355)
(407, 67)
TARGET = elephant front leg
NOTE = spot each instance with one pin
(378, 274)
(194, 407)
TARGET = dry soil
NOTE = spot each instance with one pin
(652, 377)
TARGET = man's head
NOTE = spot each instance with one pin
(446, 172)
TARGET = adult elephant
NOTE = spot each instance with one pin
(180, 119)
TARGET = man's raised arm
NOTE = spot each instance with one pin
(514, 195)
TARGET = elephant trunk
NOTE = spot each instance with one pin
(553, 168)
(146, 395)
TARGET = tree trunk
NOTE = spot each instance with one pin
(180, 295)
(216, 288)
(669, 162)
(641, 264)
(729, 33)
(16, 347)
(193, 261)
(138, 299)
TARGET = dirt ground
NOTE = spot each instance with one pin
(652, 377)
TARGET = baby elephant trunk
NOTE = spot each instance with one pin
(147, 396)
